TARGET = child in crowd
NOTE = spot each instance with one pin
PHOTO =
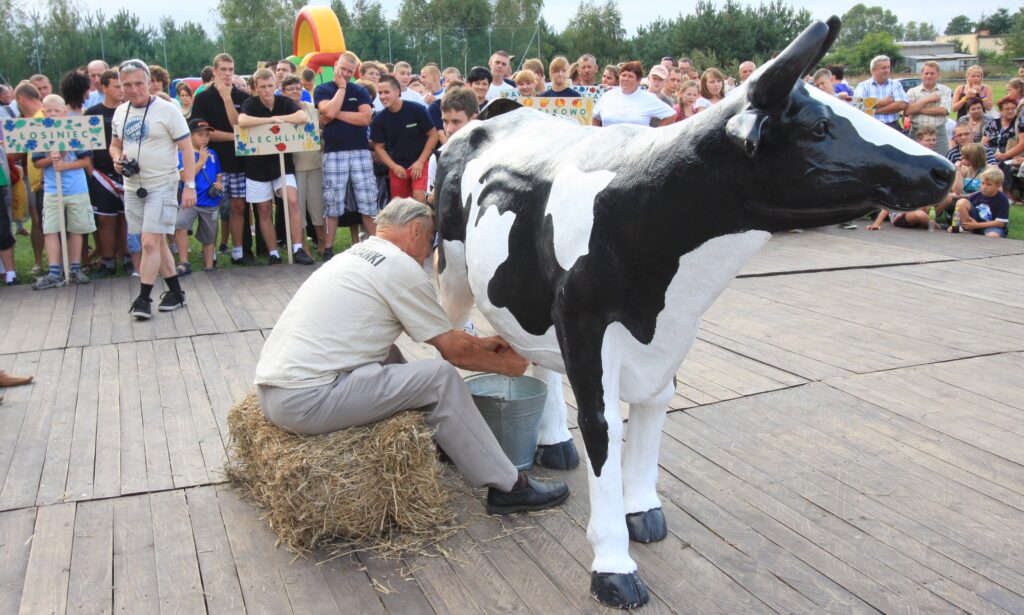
(822, 80)
(712, 84)
(987, 211)
(209, 188)
(689, 92)
(926, 136)
(526, 83)
(78, 215)
(560, 86)
(403, 138)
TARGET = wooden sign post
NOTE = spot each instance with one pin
(55, 135)
(279, 139)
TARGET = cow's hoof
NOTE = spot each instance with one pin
(647, 526)
(561, 456)
(615, 589)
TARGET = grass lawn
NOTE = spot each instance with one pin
(23, 258)
(1016, 222)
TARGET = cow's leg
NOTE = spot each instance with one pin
(644, 518)
(555, 448)
(453, 281)
(614, 579)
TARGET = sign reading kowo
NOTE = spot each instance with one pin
(579, 109)
(277, 139)
(54, 134)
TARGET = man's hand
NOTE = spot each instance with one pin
(223, 90)
(494, 344)
(339, 81)
(398, 171)
(416, 169)
(188, 198)
(884, 101)
(874, 226)
(118, 166)
(515, 365)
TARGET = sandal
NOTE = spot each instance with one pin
(184, 268)
(209, 269)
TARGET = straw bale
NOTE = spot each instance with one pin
(378, 487)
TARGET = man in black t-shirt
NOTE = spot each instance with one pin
(219, 104)
(263, 173)
(105, 190)
(403, 138)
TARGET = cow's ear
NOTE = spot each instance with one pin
(745, 129)
(772, 84)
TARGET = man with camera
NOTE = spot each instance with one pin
(147, 133)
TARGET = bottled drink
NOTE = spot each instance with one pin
(955, 226)
(931, 220)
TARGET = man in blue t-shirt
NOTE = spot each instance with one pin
(403, 138)
(345, 111)
(209, 192)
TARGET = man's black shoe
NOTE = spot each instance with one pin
(534, 496)
(274, 260)
(142, 308)
(171, 300)
(301, 258)
(241, 262)
(328, 254)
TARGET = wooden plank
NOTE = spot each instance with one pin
(162, 325)
(122, 293)
(899, 573)
(17, 404)
(107, 474)
(252, 544)
(54, 475)
(220, 319)
(60, 320)
(350, 586)
(136, 588)
(216, 564)
(198, 315)
(15, 545)
(79, 328)
(765, 350)
(215, 380)
(186, 457)
(133, 442)
(26, 463)
(17, 320)
(158, 462)
(177, 566)
(91, 587)
(49, 564)
(237, 304)
(400, 593)
(82, 460)
(40, 307)
(211, 440)
(101, 327)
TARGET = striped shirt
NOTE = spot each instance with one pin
(891, 88)
(919, 120)
(954, 155)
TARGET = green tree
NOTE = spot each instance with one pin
(125, 37)
(256, 30)
(858, 57)
(961, 24)
(997, 23)
(923, 31)
(595, 29)
(188, 47)
(367, 36)
(1013, 44)
(862, 20)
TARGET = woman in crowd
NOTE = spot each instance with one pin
(712, 88)
(610, 76)
(526, 82)
(1003, 135)
(973, 88)
(628, 104)
(185, 98)
(689, 92)
(74, 87)
(975, 117)
(1015, 90)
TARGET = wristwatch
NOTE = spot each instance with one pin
(191, 185)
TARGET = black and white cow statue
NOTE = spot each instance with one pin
(595, 252)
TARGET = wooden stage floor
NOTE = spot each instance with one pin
(847, 437)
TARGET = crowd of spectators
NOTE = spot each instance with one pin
(383, 128)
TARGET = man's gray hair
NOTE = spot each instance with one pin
(877, 59)
(587, 56)
(131, 66)
(402, 211)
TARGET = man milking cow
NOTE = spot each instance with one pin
(314, 377)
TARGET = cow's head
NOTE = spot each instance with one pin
(818, 160)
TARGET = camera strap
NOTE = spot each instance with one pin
(142, 129)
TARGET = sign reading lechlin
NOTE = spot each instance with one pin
(277, 139)
(54, 134)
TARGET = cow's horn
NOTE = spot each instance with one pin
(772, 84)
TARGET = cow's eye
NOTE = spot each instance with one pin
(820, 129)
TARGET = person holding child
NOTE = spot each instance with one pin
(77, 210)
(209, 192)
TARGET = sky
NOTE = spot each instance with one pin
(557, 12)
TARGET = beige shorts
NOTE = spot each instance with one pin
(311, 195)
(263, 192)
(155, 213)
(78, 216)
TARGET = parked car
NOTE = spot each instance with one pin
(909, 82)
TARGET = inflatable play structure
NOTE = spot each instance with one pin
(588, 267)
(317, 41)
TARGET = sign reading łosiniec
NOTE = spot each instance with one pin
(54, 134)
(277, 139)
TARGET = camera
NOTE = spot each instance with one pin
(129, 167)
(214, 192)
